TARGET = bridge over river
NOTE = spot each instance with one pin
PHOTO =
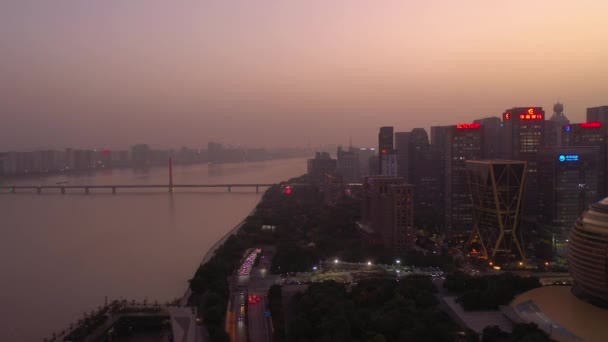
(63, 188)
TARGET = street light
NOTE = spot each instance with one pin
(369, 263)
(398, 261)
(336, 261)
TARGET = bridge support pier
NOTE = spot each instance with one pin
(86, 190)
(229, 189)
(257, 189)
(62, 190)
(114, 190)
(39, 190)
(13, 190)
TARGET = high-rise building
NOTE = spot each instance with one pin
(464, 142)
(497, 189)
(321, 164)
(388, 210)
(367, 166)
(568, 182)
(386, 151)
(587, 260)
(598, 114)
(388, 163)
(494, 146)
(554, 126)
(348, 165)
(590, 134)
(524, 135)
(402, 144)
(438, 150)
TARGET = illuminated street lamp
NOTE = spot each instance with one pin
(369, 263)
(398, 261)
(336, 261)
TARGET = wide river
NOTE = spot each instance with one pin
(61, 255)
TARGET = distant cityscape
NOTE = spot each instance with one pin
(139, 156)
(514, 209)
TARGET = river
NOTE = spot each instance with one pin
(61, 255)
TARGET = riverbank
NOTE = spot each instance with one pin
(211, 252)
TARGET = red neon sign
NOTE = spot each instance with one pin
(508, 116)
(595, 124)
(468, 126)
(530, 116)
(106, 152)
(384, 151)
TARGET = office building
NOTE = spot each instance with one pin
(438, 149)
(590, 134)
(554, 126)
(321, 165)
(386, 152)
(368, 162)
(348, 165)
(599, 114)
(568, 182)
(587, 259)
(494, 146)
(388, 163)
(402, 145)
(464, 142)
(524, 135)
(388, 211)
(497, 195)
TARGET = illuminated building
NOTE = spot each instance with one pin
(386, 152)
(590, 134)
(568, 182)
(524, 135)
(497, 194)
(587, 258)
(599, 114)
(388, 210)
(464, 142)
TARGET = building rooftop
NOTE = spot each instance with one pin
(562, 315)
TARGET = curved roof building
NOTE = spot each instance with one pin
(588, 254)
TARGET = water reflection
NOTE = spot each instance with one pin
(62, 254)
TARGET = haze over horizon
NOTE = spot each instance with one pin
(266, 73)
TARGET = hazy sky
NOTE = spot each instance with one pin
(110, 73)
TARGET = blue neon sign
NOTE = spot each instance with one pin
(567, 128)
(568, 157)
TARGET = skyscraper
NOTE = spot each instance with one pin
(494, 146)
(524, 135)
(553, 126)
(568, 182)
(348, 165)
(388, 210)
(464, 142)
(590, 134)
(402, 144)
(598, 114)
(386, 150)
(497, 189)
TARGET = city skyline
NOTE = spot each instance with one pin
(268, 74)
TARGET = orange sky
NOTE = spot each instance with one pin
(171, 73)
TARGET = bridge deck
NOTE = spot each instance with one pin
(124, 186)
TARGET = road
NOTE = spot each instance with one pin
(256, 325)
